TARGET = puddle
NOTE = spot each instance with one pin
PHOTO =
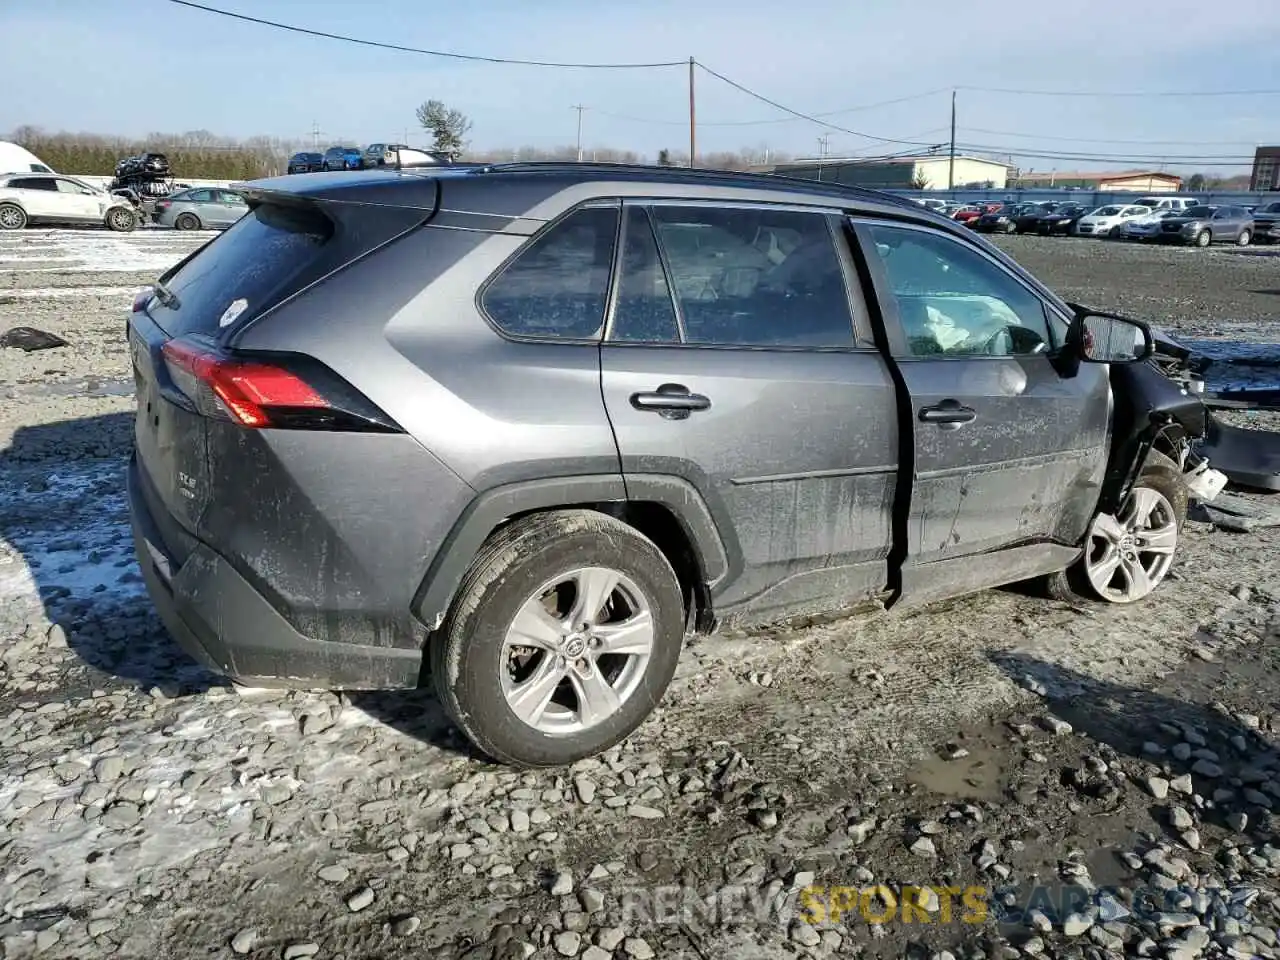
(982, 775)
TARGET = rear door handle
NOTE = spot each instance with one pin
(671, 400)
(948, 414)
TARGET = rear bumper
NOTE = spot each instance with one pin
(226, 625)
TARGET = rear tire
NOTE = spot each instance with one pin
(574, 698)
(1162, 478)
(186, 221)
(12, 217)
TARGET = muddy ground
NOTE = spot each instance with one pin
(1094, 781)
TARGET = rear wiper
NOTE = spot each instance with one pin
(166, 296)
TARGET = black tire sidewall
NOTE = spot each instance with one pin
(1161, 474)
(187, 221)
(475, 699)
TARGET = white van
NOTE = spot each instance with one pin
(1176, 202)
(15, 159)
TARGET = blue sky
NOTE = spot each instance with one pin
(132, 66)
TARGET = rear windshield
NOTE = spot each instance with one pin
(251, 262)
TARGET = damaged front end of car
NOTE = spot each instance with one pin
(1158, 405)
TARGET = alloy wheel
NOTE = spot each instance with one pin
(12, 218)
(1129, 553)
(576, 651)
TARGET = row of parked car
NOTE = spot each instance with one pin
(1171, 219)
(374, 155)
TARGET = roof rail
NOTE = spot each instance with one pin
(698, 173)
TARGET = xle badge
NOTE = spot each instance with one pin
(229, 315)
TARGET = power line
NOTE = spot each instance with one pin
(1204, 160)
(1122, 93)
(1109, 157)
(796, 113)
(293, 28)
(773, 120)
(1140, 143)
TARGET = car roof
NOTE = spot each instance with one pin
(554, 176)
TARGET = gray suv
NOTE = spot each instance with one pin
(527, 426)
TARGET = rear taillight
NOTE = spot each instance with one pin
(294, 393)
(163, 204)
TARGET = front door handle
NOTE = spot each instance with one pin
(671, 400)
(949, 414)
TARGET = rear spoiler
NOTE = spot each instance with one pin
(358, 187)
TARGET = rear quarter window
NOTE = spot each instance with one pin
(557, 285)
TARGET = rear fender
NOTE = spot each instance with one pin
(490, 510)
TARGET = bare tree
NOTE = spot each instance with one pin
(919, 181)
(448, 127)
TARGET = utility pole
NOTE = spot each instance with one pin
(315, 135)
(822, 152)
(579, 107)
(951, 165)
(693, 115)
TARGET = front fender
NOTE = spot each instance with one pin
(1150, 412)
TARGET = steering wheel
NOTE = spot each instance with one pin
(1013, 341)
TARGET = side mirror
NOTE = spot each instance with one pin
(1106, 338)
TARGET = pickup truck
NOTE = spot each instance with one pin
(1266, 222)
(523, 427)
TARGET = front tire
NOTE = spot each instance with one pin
(563, 637)
(12, 217)
(121, 220)
(1244, 238)
(1204, 238)
(1129, 553)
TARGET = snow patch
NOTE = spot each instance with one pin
(41, 293)
(99, 252)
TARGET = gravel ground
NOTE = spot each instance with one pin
(1105, 776)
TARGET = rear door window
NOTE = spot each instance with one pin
(758, 277)
(244, 271)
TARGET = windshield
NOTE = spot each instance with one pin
(1197, 212)
(1106, 211)
(1270, 208)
